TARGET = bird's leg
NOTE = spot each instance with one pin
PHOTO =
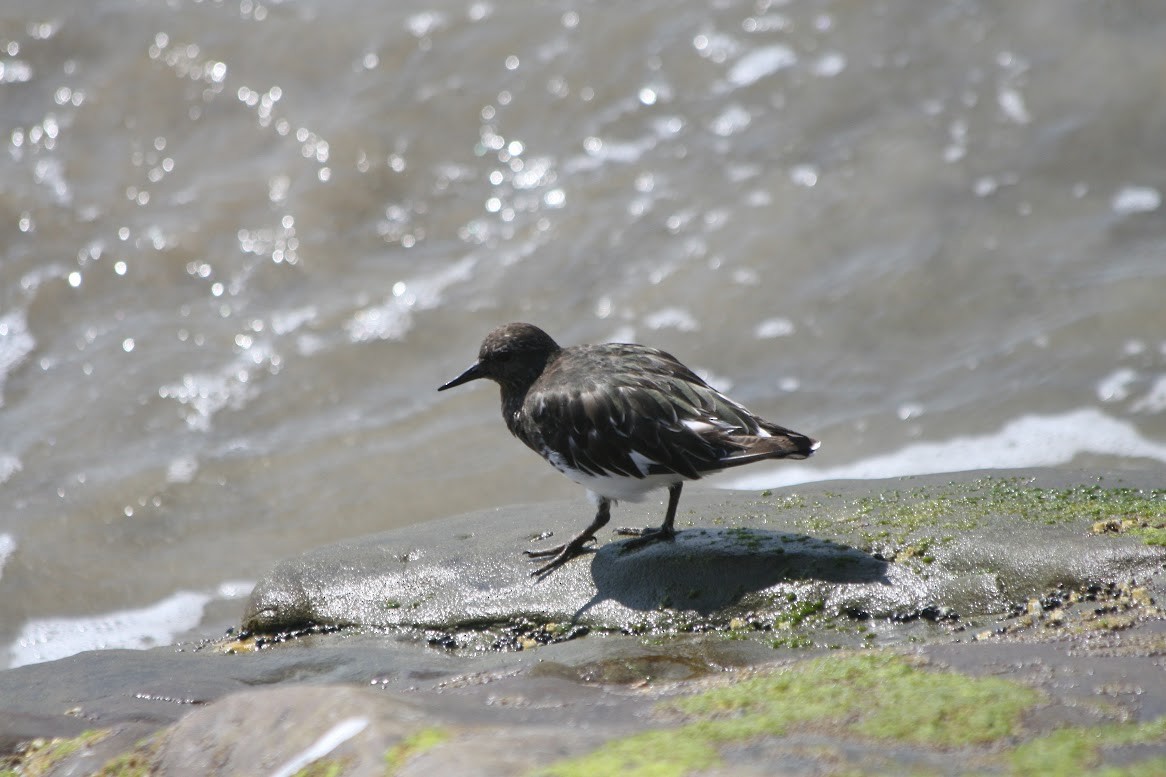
(665, 531)
(567, 551)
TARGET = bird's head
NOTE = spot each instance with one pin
(512, 355)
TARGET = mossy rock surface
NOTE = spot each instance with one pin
(834, 713)
(994, 625)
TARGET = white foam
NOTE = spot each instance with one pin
(599, 152)
(731, 120)
(206, 393)
(1029, 441)
(1136, 199)
(672, 318)
(1012, 105)
(1116, 386)
(1153, 402)
(48, 639)
(426, 22)
(759, 63)
(9, 466)
(773, 327)
(15, 345)
(392, 319)
(829, 64)
(286, 321)
(234, 589)
(7, 548)
(389, 321)
(182, 469)
(332, 739)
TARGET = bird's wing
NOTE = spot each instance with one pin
(664, 423)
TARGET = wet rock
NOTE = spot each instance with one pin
(355, 731)
(281, 730)
(921, 550)
(992, 579)
(616, 704)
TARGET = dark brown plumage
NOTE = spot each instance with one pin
(620, 420)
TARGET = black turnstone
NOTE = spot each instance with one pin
(620, 420)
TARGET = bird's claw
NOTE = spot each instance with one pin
(557, 549)
(561, 555)
(645, 536)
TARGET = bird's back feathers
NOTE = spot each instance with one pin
(650, 416)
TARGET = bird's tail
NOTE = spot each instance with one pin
(780, 443)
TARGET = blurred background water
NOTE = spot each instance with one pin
(241, 243)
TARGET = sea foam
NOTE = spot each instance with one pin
(1028, 441)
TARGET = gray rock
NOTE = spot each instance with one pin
(763, 578)
(931, 548)
(278, 731)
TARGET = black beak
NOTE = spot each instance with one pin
(473, 373)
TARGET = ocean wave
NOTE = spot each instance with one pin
(1028, 441)
(48, 639)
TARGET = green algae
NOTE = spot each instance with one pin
(884, 699)
(324, 767)
(799, 612)
(413, 745)
(1070, 752)
(1152, 535)
(1155, 767)
(965, 505)
(659, 753)
(42, 756)
(879, 696)
(891, 519)
(1147, 529)
(140, 762)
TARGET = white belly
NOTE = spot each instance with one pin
(619, 487)
(623, 489)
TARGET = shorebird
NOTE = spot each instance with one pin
(621, 420)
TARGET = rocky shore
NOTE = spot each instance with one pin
(981, 623)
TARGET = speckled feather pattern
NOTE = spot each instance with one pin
(631, 411)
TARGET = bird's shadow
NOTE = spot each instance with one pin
(706, 570)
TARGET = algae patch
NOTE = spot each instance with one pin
(413, 745)
(1151, 529)
(45, 756)
(876, 696)
(887, 519)
(881, 696)
(139, 762)
(658, 753)
(325, 767)
(41, 756)
(912, 718)
(1077, 752)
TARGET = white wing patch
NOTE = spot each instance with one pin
(642, 462)
(698, 426)
(557, 461)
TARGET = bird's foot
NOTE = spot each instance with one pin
(544, 552)
(557, 549)
(645, 536)
(559, 554)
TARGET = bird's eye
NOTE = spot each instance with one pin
(502, 356)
